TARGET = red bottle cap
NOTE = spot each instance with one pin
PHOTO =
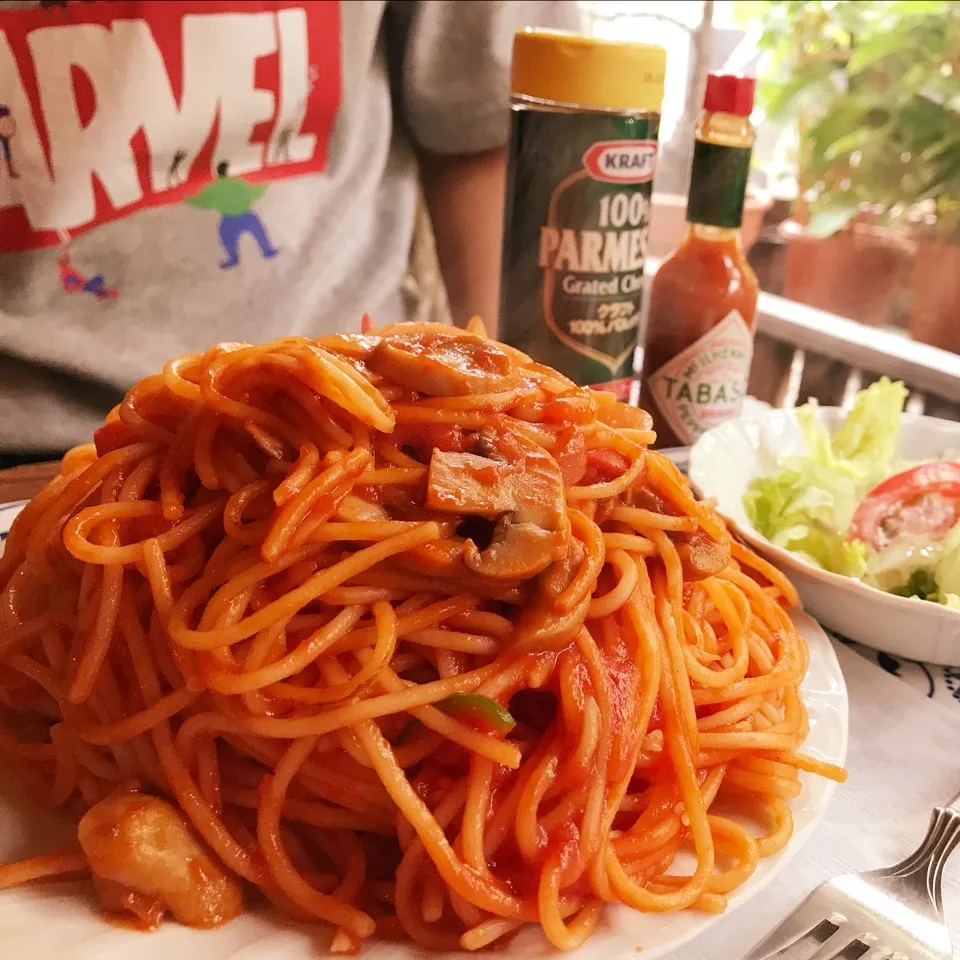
(727, 93)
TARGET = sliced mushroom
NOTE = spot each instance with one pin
(701, 556)
(444, 365)
(518, 483)
(541, 626)
(516, 552)
(467, 484)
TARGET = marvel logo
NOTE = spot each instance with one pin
(622, 161)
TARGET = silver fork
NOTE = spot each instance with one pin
(890, 914)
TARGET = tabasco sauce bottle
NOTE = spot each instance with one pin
(698, 340)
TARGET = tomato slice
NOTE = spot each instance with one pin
(922, 500)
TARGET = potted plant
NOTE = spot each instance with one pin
(872, 93)
(935, 293)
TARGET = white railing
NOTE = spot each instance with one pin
(927, 371)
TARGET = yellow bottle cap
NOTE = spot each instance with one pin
(570, 68)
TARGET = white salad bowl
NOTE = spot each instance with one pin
(725, 460)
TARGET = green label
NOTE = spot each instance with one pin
(578, 203)
(718, 185)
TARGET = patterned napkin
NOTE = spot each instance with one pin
(932, 680)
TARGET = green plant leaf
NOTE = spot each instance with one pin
(922, 123)
(828, 220)
(844, 117)
(856, 139)
(782, 100)
(865, 77)
(866, 54)
(746, 11)
(918, 8)
(946, 145)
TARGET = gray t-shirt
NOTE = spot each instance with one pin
(175, 173)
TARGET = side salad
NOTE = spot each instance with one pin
(848, 506)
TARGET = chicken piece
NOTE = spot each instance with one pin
(118, 899)
(142, 853)
(444, 365)
(518, 483)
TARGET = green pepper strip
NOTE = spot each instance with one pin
(476, 709)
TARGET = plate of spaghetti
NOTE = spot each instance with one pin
(388, 643)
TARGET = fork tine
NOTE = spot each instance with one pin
(799, 925)
(834, 946)
(788, 941)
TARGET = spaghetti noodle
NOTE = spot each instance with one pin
(404, 631)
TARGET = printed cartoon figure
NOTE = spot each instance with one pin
(8, 128)
(232, 199)
(281, 151)
(174, 173)
(281, 146)
(73, 281)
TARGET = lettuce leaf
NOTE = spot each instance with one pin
(795, 510)
(868, 437)
(807, 505)
(948, 569)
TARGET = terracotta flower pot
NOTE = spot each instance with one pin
(668, 217)
(853, 273)
(935, 295)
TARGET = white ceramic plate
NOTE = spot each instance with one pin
(725, 460)
(53, 921)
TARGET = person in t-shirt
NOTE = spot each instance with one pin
(233, 170)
